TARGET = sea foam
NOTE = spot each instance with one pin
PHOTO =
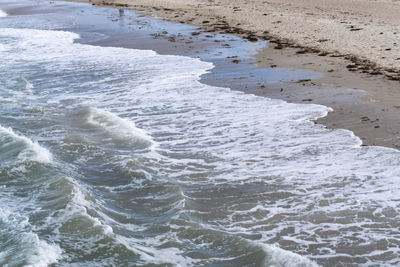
(296, 179)
(281, 257)
(2, 13)
(31, 250)
(117, 128)
(22, 147)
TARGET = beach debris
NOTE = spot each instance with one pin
(117, 5)
(303, 80)
(251, 38)
(351, 66)
(375, 72)
(365, 118)
(362, 65)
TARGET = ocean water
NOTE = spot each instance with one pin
(121, 157)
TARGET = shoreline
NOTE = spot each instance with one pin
(310, 181)
(364, 103)
(369, 41)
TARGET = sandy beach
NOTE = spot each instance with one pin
(366, 32)
(134, 140)
(353, 43)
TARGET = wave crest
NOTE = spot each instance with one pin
(115, 129)
(21, 147)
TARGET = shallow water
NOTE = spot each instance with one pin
(121, 157)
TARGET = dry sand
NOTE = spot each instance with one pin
(355, 43)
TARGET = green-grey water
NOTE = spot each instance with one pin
(112, 156)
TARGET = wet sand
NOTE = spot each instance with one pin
(364, 31)
(364, 101)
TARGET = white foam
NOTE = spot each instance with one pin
(278, 257)
(78, 207)
(28, 85)
(247, 139)
(2, 13)
(150, 254)
(44, 254)
(32, 250)
(32, 151)
(118, 128)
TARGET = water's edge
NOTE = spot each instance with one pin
(221, 173)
